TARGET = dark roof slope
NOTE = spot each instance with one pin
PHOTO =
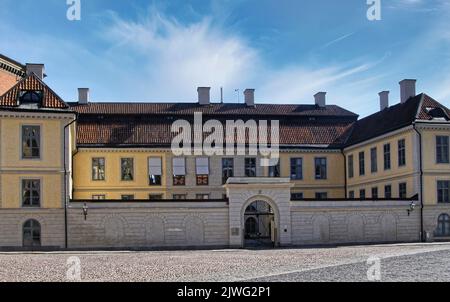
(393, 118)
(212, 109)
(31, 82)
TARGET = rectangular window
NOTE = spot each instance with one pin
(401, 153)
(202, 171)
(127, 169)
(362, 194)
(375, 193)
(274, 171)
(443, 194)
(179, 171)
(179, 196)
(155, 171)
(31, 142)
(98, 197)
(202, 196)
(351, 194)
(98, 168)
(388, 191)
(297, 196)
(402, 190)
(250, 167)
(155, 197)
(387, 156)
(127, 197)
(227, 169)
(31, 193)
(442, 150)
(296, 168)
(351, 171)
(373, 160)
(321, 195)
(320, 164)
(362, 164)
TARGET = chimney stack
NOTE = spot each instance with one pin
(83, 96)
(320, 99)
(37, 69)
(204, 95)
(407, 90)
(384, 100)
(249, 95)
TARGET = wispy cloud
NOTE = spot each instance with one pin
(179, 57)
(341, 38)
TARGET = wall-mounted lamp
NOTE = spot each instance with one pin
(85, 211)
(412, 206)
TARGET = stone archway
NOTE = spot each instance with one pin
(260, 229)
(266, 216)
(243, 191)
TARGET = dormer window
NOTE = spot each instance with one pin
(438, 114)
(30, 97)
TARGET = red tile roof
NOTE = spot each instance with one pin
(32, 82)
(114, 132)
(149, 124)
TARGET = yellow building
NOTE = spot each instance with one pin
(382, 178)
(35, 127)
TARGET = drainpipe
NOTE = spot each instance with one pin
(65, 184)
(422, 237)
(345, 173)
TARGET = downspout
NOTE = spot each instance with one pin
(345, 173)
(65, 185)
(422, 237)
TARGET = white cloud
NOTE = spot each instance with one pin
(177, 58)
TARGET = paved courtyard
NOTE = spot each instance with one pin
(402, 262)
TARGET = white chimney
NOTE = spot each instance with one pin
(37, 69)
(407, 89)
(83, 95)
(204, 95)
(320, 99)
(249, 95)
(384, 100)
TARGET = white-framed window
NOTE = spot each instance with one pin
(31, 193)
(127, 169)
(98, 168)
(442, 150)
(202, 171)
(443, 226)
(155, 171)
(401, 153)
(179, 171)
(443, 191)
(31, 142)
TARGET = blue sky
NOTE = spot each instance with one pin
(286, 49)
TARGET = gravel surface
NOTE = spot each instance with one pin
(409, 262)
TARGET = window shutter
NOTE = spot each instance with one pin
(202, 166)
(154, 166)
(179, 166)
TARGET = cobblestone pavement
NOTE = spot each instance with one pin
(403, 262)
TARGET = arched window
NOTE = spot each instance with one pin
(31, 233)
(443, 228)
(251, 226)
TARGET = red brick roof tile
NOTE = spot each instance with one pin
(32, 82)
